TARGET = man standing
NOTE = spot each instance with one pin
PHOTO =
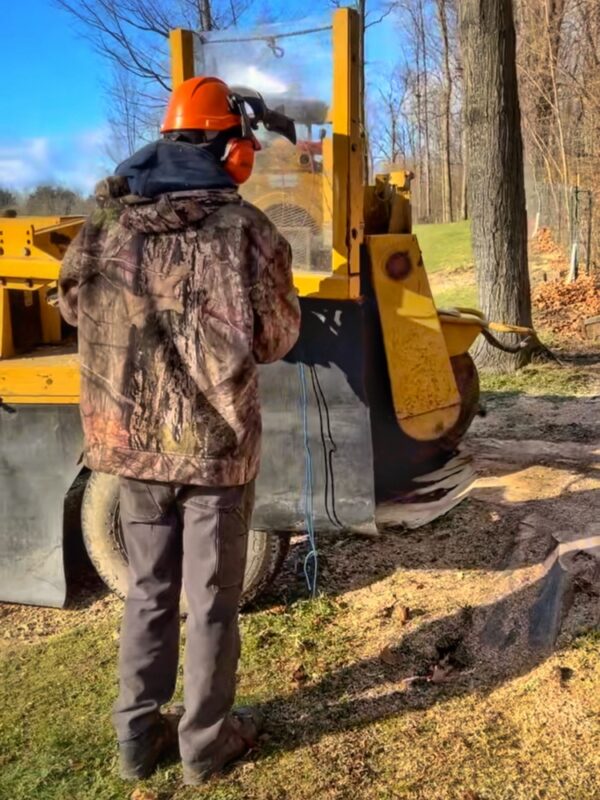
(179, 288)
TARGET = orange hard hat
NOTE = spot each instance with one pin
(201, 103)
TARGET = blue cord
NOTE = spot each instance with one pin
(311, 562)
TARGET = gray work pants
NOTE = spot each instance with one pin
(198, 534)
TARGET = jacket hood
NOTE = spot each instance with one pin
(166, 166)
(167, 186)
(173, 212)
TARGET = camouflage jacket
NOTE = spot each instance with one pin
(176, 300)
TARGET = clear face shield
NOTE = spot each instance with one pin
(282, 76)
(273, 121)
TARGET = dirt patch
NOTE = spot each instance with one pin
(542, 447)
(90, 602)
(479, 576)
(553, 419)
(453, 662)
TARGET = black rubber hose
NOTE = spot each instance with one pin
(506, 348)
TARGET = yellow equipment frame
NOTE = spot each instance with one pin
(347, 184)
(31, 249)
(424, 390)
(419, 341)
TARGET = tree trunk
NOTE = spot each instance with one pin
(361, 6)
(447, 121)
(425, 111)
(421, 169)
(495, 180)
(206, 20)
(464, 202)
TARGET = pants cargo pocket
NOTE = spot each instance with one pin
(232, 542)
(145, 501)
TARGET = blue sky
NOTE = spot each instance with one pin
(53, 124)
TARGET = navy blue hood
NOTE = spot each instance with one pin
(162, 167)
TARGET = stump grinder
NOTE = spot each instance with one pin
(362, 421)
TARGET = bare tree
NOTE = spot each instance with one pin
(7, 199)
(496, 182)
(49, 200)
(133, 35)
(442, 13)
(464, 194)
(130, 116)
(422, 46)
(206, 20)
(422, 50)
(558, 61)
(388, 131)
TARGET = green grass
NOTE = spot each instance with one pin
(56, 740)
(448, 259)
(457, 296)
(340, 725)
(544, 380)
(329, 740)
(445, 246)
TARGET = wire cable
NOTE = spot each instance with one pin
(329, 448)
(311, 561)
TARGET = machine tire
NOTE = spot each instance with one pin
(105, 546)
(467, 382)
(426, 456)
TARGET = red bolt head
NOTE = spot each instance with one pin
(398, 266)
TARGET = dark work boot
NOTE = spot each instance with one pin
(138, 757)
(245, 724)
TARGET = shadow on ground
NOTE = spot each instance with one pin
(484, 647)
(546, 555)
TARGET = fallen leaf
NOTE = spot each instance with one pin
(299, 675)
(562, 306)
(442, 672)
(389, 657)
(387, 611)
(143, 794)
(280, 609)
(565, 674)
(396, 611)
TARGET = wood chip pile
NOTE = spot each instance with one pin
(543, 244)
(561, 307)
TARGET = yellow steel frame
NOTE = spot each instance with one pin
(344, 192)
(181, 44)
(40, 379)
(418, 341)
(424, 391)
(347, 177)
(30, 252)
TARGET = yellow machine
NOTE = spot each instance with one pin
(361, 422)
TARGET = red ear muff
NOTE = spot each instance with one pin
(239, 158)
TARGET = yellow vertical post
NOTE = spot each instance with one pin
(348, 223)
(50, 319)
(182, 55)
(6, 339)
